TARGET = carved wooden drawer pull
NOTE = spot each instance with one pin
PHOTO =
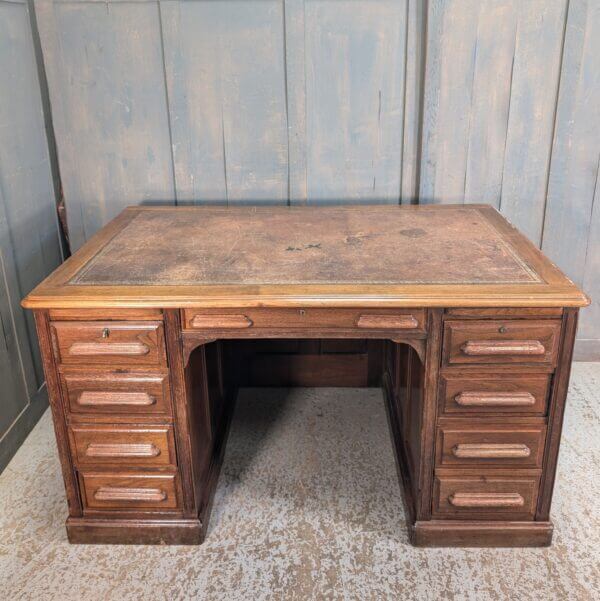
(109, 348)
(491, 451)
(494, 399)
(110, 493)
(218, 322)
(503, 347)
(107, 450)
(387, 322)
(484, 500)
(99, 398)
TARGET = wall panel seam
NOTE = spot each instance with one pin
(14, 326)
(553, 136)
(167, 101)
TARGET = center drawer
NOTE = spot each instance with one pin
(124, 446)
(109, 343)
(406, 320)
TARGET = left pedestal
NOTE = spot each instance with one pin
(138, 464)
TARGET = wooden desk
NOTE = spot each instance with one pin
(479, 330)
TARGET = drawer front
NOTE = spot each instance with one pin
(139, 491)
(117, 393)
(109, 343)
(125, 446)
(484, 446)
(406, 320)
(501, 341)
(485, 394)
(485, 497)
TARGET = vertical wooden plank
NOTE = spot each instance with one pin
(29, 243)
(571, 236)
(15, 376)
(354, 59)
(431, 102)
(226, 79)
(490, 103)
(416, 28)
(490, 94)
(535, 78)
(106, 79)
(296, 99)
(13, 394)
(195, 114)
(449, 81)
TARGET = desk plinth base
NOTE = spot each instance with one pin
(452, 533)
(135, 532)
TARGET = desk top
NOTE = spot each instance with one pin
(451, 256)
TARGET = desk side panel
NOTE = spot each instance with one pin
(58, 412)
(556, 412)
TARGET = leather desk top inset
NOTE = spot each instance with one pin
(299, 246)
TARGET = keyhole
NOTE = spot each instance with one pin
(502, 329)
(302, 312)
(105, 333)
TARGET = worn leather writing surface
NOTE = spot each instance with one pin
(337, 245)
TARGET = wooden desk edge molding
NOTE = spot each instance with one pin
(478, 328)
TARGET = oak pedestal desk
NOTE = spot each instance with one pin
(478, 328)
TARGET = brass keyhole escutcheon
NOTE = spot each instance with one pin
(105, 333)
(302, 312)
(502, 329)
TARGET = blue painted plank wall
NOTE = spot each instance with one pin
(321, 101)
(104, 64)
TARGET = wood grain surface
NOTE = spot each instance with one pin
(378, 256)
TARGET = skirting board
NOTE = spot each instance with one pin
(587, 350)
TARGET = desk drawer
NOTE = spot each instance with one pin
(109, 343)
(133, 491)
(125, 446)
(501, 341)
(489, 394)
(485, 497)
(110, 393)
(380, 320)
(484, 445)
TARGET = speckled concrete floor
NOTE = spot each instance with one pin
(307, 508)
